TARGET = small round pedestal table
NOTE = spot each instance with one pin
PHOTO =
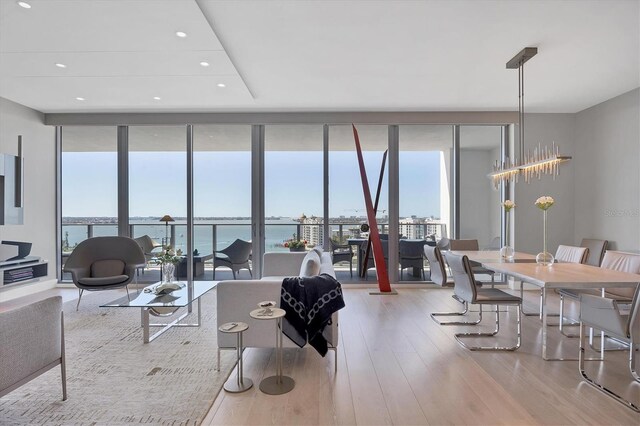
(239, 384)
(278, 384)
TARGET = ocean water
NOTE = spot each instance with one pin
(277, 232)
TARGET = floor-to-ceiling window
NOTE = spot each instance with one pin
(89, 185)
(222, 193)
(157, 187)
(293, 185)
(346, 201)
(424, 203)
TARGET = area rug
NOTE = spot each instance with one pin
(113, 378)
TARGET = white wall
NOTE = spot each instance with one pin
(38, 144)
(546, 129)
(607, 176)
(477, 202)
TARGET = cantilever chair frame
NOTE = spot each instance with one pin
(634, 345)
(439, 277)
(467, 289)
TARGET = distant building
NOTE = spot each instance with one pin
(412, 227)
(312, 230)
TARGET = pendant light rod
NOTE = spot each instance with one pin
(517, 62)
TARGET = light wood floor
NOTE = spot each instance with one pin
(397, 366)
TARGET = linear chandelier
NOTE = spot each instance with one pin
(543, 160)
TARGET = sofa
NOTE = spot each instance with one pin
(31, 343)
(235, 299)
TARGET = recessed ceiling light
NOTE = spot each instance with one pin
(157, 98)
(222, 85)
(181, 34)
(24, 4)
(80, 98)
(204, 64)
(59, 65)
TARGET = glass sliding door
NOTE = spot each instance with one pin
(480, 210)
(222, 195)
(346, 201)
(157, 187)
(293, 186)
(89, 186)
(424, 197)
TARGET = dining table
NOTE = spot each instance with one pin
(561, 275)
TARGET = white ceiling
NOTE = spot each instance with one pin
(316, 55)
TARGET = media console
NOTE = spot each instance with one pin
(14, 272)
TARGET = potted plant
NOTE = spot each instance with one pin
(294, 244)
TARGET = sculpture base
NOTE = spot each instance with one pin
(383, 293)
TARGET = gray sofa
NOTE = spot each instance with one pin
(32, 342)
(235, 299)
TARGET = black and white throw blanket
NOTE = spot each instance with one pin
(309, 303)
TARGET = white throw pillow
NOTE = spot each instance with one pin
(310, 265)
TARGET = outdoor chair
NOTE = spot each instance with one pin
(104, 263)
(342, 253)
(236, 256)
(467, 289)
(412, 255)
(370, 260)
(605, 314)
(148, 245)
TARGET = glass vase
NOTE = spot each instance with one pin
(506, 252)
(167, 272)
(544, 258)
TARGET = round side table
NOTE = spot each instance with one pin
(278, 384)
(240, 384)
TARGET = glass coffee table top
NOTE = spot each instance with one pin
(177, 298)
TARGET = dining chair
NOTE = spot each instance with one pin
(605, 314)
(466, 288)
(472, 245)
(596, 248)
(617, 261)
(438, 275)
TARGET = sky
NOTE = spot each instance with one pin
(222, 183)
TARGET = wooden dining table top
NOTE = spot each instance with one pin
(565, 275)
(492, 256)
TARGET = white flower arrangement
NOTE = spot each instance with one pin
(544, 202)
(508, 205)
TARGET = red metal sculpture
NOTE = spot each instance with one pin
(374, 236)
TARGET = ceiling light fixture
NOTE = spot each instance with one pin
(181, 34)
(59, 65)
(543, 160)
(222, 85)
(79, 98)
(24, 4)
(157, 98)
(204, 64)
